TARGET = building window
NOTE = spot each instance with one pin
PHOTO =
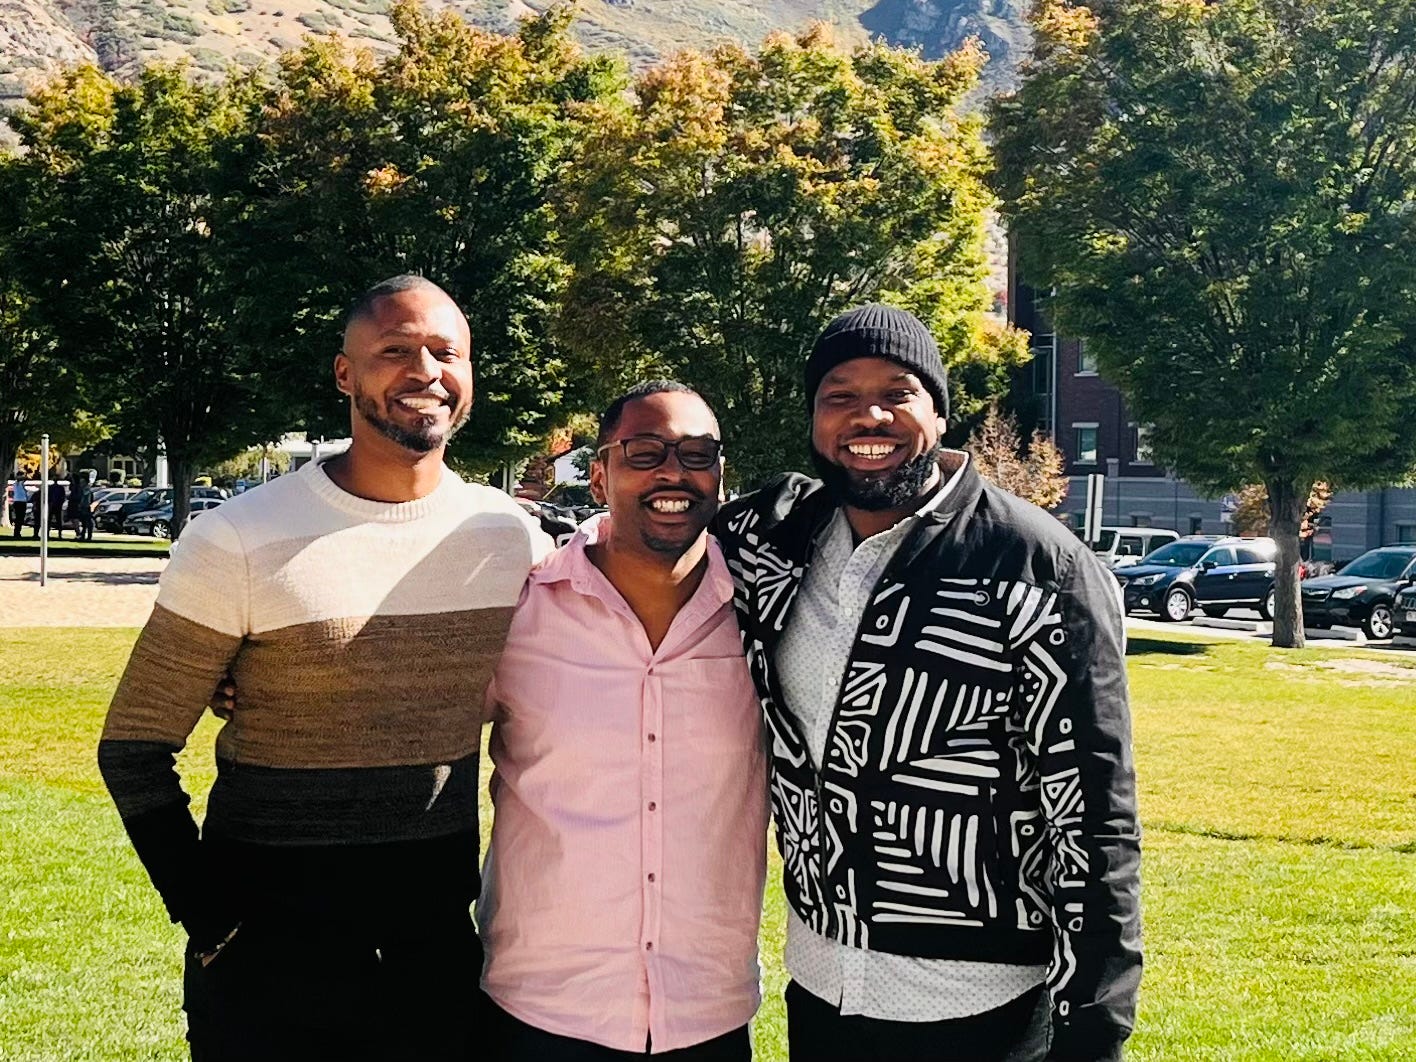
(1406, 534)
(1143, 446)
(1140, 519)
(1086, 360)
(1197, 525)
(1086, 443)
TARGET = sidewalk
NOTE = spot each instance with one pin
(82, 591)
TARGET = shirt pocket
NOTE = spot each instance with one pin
(716, 703)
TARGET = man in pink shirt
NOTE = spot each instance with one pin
(623, 886)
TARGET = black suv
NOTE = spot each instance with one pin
(1362, 593)
(1406, 612)
(1146, 584)
(1231, 573)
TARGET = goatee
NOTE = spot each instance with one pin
(896, 489)
(420, 440)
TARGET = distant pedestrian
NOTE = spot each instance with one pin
(56, 508)
(81, 507)
(19, 505)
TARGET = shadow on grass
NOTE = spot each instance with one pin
(98, 578)
(1161, 646)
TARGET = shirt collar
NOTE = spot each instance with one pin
(571, 564)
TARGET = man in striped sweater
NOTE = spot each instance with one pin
(361, 606)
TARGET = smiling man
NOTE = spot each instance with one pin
(623, 885)
(361, 606)
(942, 669)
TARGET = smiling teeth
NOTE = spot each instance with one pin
(666, 505)
(422, 405)
(871, 449)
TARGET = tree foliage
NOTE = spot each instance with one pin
(744, 200)
(143, 194)
(1035, 472)
(1251, 515)
(1221, 197)
(440, 160)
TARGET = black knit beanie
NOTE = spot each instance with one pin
(877, 331)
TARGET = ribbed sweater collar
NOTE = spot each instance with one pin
(324, 488)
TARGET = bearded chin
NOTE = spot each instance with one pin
(422, 440)
(896, 490)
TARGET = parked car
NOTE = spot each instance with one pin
(553, 522)
(1362, 593)
(1231, 573)
(1120, 547)
(1146, 585)
(1404, 614)
(158, 522)
(573, 500)
(112, 494)
(111, 515)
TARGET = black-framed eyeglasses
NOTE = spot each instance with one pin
(643, 452)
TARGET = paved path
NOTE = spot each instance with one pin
(82, 592)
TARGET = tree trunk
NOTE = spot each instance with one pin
(1285, 502)
(7, 467)
(180, 471)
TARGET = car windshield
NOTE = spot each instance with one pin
(1379, 564)
(1177, 554)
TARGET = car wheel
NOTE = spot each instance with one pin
(1176, 606)
(1379, 623)
(160, 529)
(1215, 611)
(1267, 604)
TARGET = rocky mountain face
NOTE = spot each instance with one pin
(37, 36)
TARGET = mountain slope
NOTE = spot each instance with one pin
(38, 35)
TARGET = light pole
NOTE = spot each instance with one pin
(44, 510)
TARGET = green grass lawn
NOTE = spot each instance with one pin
(1278, 794)
(102, 545)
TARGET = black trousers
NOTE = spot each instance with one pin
(515, 1041)
(285, 991)
(17, 516)
(1018, 1031)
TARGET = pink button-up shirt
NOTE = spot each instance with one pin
(623, 885)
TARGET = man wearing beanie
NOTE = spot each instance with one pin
(942, 670)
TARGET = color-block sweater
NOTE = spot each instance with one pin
(361, 636)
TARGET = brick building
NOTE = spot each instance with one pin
(1060, 393)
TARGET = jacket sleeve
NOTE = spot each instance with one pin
(1087, 775)
(181, 654)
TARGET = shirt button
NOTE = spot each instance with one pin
(653, 806)
(649, 946)
(651, 877)
(652, 739)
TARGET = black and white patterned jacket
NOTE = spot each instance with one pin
(977, 797)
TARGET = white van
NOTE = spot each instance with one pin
(1120, 547)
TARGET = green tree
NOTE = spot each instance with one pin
(744, 200)
(1221, 196)
(442, 160)
(140, 284)
(37, 392)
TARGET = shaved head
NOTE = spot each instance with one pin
(363, 307)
